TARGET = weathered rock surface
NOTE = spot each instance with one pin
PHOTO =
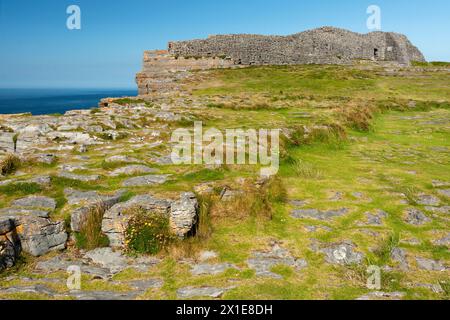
(182, 213)
(318, 214)
(10, 247)
(211, 269)
(416, 217)
(132, 170)
(108, 259)
(88, 200)
(39, 236)
(399, 256)
(122, 158)
(79, 177)
(378, 295)
(428, 200)
(445, 193)
(343, 254)
(36, 202)
(192, 292)
(150, 180)
(430, 265)
(263, 261)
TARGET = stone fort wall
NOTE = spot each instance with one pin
(325, 45)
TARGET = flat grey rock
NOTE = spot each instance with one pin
(430, 265)
(71, 167)
(150, 180)
(61, 263)
(445, 193)
(382, 296)
(263, 261)
(399, 256)
(145, 284)
(440, 184)
(103, 295)
(211, 269)
(416, 217)
(442, 210)
(108, 259)
(122, 158)
(132, 170)
(376, 218)
(343, 254)
(33, 289)
(79, 177)
(193, 292)
(318, 214)
(445, 241)
(24, 212)
(36, 202)
(428, 200)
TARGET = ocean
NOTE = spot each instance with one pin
(52, 101)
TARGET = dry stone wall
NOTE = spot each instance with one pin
(325, 45)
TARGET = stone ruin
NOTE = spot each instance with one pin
(163, 68)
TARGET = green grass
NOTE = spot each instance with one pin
(20, 189)
(352, 130)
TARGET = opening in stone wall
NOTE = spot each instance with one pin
(375, 53)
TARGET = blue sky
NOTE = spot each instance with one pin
(37, 50)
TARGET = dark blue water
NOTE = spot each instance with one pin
(50, 101)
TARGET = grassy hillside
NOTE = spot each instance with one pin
(378, 146)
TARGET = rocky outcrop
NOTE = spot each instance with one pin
(86, 200)
(39, 236)
(26, 225)
(9, 244)
(182, 213)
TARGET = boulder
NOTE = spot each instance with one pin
(10, 247)
(115, 220)
(183, 215)
(88, 200)
(38, 235)
(7, 142)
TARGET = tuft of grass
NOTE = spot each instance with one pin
(384, 250)
(326, 134)
(9, 164)
(204, 225)
(306, 170)
(359, 118)
(90, 235)
(252, 202)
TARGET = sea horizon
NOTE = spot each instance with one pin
(42, 101)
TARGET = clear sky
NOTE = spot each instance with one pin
(37, 49)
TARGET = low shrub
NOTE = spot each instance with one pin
(9, 164)
(148, 232)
